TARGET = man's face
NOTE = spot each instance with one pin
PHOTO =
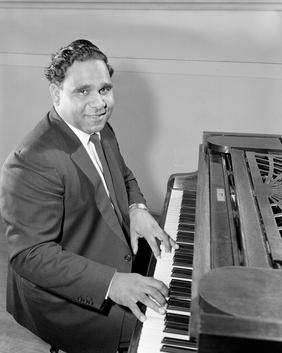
(85, 97)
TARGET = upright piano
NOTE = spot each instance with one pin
(225, 283)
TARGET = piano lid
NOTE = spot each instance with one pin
(224, 142)
(242, 292)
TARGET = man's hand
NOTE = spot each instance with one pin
(143, 225)
(129, 288)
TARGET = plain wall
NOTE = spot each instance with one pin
(177, 73)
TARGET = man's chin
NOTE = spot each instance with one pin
(98, 126)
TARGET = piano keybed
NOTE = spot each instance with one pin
(170, 332)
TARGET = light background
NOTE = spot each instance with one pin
(180, 69)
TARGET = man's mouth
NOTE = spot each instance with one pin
(96, 116)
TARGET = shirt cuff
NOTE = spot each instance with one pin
(108, 291)
(141, 206)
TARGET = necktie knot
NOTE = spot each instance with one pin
(94, 138)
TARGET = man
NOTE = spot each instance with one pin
(72, 226)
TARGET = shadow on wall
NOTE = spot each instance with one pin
(135, 123)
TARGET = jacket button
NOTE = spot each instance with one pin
(127, 258)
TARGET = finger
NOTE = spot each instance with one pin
(157, 296)
(152, 304)
(165, 239)
(173, 243)
(155, 284)
(134, 242)
(137, 312)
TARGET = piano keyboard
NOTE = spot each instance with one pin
(170, 332)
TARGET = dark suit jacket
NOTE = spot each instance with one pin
(64, 237)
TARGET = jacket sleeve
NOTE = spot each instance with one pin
(32, 207)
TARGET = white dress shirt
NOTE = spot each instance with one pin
(91, 150)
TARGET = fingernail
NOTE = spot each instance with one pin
(162, 310)
(143, 318)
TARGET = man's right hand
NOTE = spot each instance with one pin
(129, 288)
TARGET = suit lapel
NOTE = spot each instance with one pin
(80, 157)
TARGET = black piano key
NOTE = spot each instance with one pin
(182, 326)
(189, 199)
(183, 262)
(185, 239)
(179, 342)
(187, 227)
(186, 221)
(189, 235)
(179, 293)
(169, 317)
(178, 305)
(186, 214)
(178, 255)
(170, 349)
(185, 247)
(183, 254)
(186, 296)
(182, 273)
(187, 209)
(188, 202)
(177, 322)
(180, 283)
(187, 206)
(176, 330)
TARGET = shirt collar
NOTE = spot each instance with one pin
(83, 136)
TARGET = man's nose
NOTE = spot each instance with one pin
(96, 101)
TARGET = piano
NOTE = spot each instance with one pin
(225, 283)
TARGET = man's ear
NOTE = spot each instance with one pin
(54, 90)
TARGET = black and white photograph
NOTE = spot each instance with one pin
(140, 176)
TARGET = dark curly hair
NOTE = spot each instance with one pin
(79, 50)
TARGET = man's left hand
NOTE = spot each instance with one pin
(144, 225)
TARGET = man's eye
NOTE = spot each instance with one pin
(83, 92)
(105, 90)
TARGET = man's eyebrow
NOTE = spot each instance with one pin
(80, 87)
(89, 86)
(107, 85)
